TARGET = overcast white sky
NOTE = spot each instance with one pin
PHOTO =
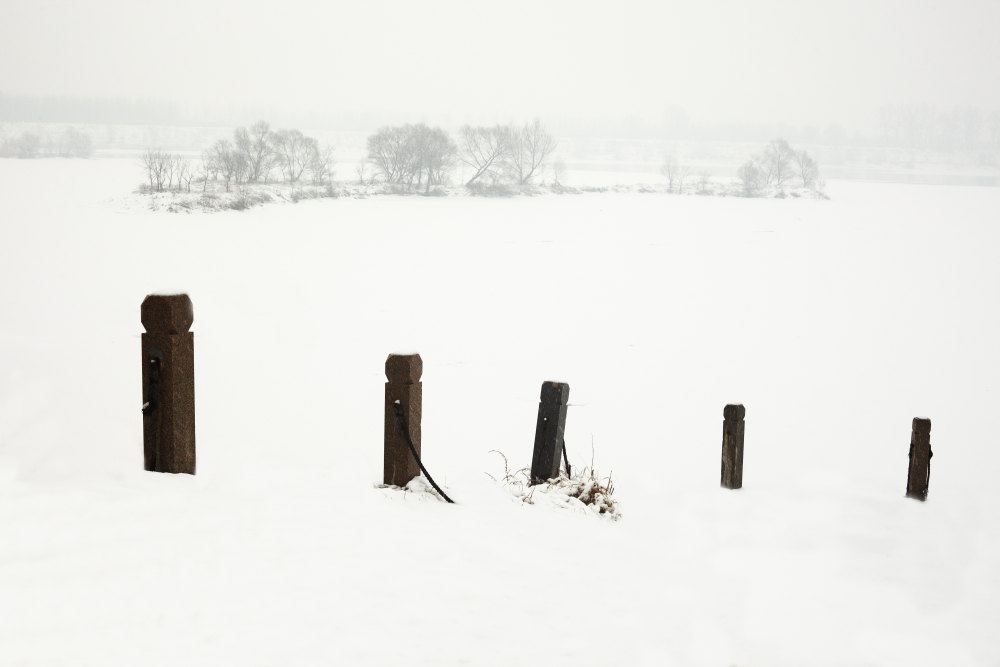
(458, 60)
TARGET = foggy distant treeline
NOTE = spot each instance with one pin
(966, 129)
(906, 126)
(71, 142)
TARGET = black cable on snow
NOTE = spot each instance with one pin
(413, 450)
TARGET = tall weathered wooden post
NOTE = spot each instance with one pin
(168, 384)
(732, 446)
(404, 387)
(919, 475)
(549, 431)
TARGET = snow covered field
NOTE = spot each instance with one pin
(834, 322)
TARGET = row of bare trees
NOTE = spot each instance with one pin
(778, 165)
(418, 156)
(256, 152)
(506, 153)
(164, 170)
(677, 173)
(252, 156)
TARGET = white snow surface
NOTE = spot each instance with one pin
(835, 323)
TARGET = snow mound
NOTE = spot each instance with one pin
(418, 489)
(584, 492)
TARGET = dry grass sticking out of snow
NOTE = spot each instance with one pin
(239, 198)
(583, 491)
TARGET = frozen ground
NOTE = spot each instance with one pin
(834, 322)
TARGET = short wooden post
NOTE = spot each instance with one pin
(732, 446)
(919, 476)
(549, 431)
(403, 372)
(168, 384)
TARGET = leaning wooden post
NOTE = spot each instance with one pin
(168, 384)
(732, 446)
(403, 372)
(549, 431)
(919, 477)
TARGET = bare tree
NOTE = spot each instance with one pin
(321, 165)
(361, 171)
(776, 162)
(209, 165)
(184, 172)
(704, 181)
(294, 150)
(157, 165)
(206, 170)
(170, 169)
(411, 155)
(807, 168)
(225, 160)
(434, 154)
(752, 178)
(559, 170)
(414, 149)
(256, 144)
(675, 173)
(388, 150)
(530, 147)
(149, 164)
(485, 149)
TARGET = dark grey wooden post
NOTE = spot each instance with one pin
(403, 372)
(919, 476)
(732, 446)
(549, 431)
(168, 384)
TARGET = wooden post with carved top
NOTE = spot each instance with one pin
(168, 384)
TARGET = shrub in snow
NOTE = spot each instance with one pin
(245, 198)
(584, 491)
(561, 189)
(481, 189)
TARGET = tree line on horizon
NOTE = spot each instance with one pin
(776, 166)
(252, 156)
(72, 142)
(410, 157)
(497, 156)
